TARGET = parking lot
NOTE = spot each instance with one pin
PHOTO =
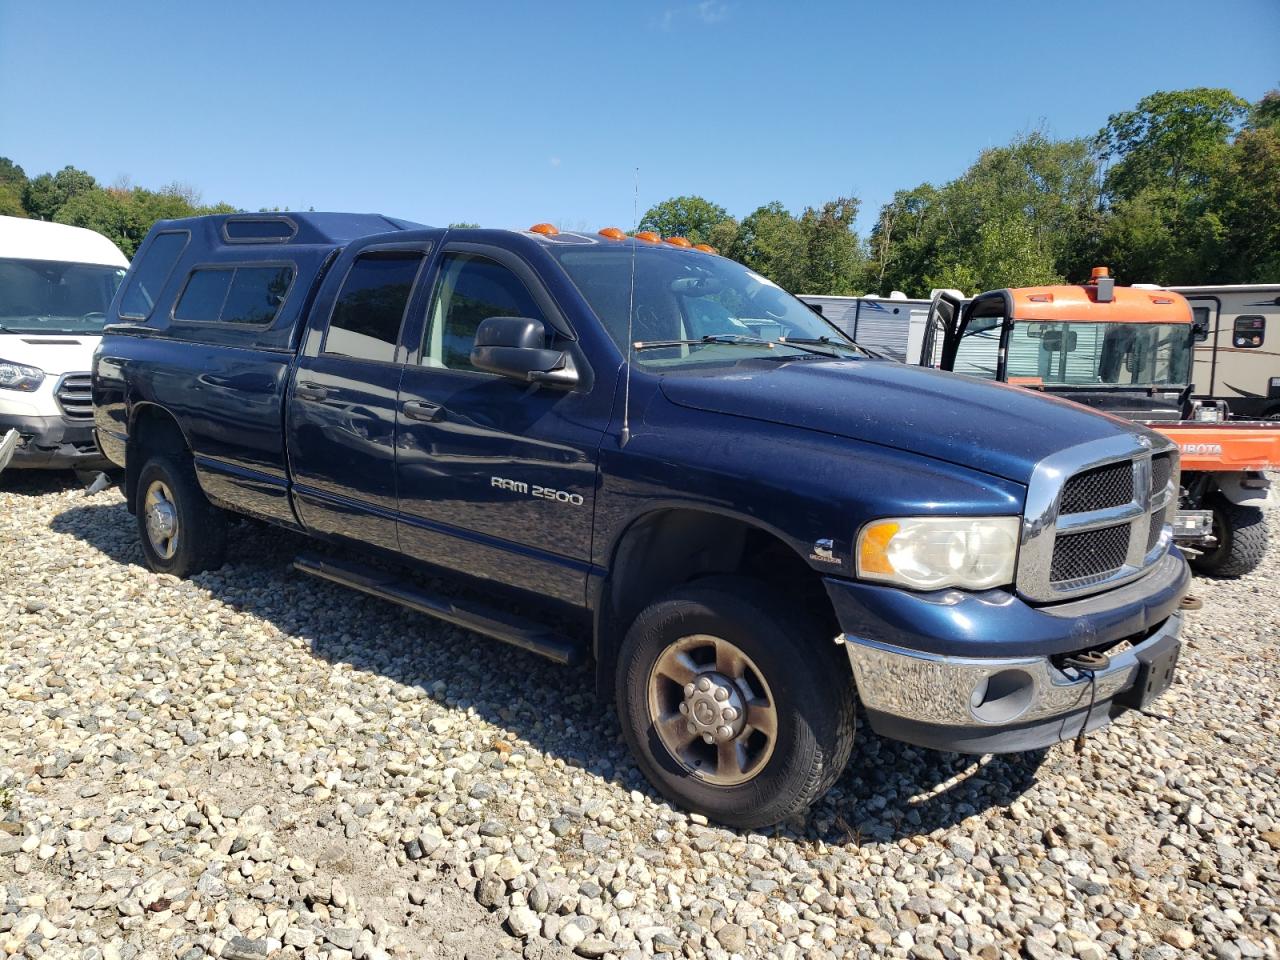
(258, 764)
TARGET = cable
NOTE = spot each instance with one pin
(1087, 663)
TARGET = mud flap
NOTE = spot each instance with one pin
(8, 444)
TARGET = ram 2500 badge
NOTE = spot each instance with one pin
(746, 522)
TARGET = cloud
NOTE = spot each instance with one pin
(705, 12)
(554, 161)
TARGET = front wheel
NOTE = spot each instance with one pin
(182, 532)
(1241, 533)
(733, 704)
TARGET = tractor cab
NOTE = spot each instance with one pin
(1124, 350)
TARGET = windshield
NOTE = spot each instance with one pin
(1101, 354)
(51, 296)
(681, 296)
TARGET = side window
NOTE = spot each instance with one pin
(1249, 332)
(242, 295)
(365, 324)
(978, 354)
(1200, 323)
(470, 289)
(149, 276)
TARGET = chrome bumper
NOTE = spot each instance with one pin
(909, 691)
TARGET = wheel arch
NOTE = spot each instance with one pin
(151, 426)
(673, 544)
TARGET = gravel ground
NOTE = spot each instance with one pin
(255, 764)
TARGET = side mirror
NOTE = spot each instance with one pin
(516, 347)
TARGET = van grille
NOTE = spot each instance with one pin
(75, 396)
(1097, 489)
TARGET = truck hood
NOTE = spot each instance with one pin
(54, 353)
(992, 427)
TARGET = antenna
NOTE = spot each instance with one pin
(631, 312)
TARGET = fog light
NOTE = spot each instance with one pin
(1002, 697)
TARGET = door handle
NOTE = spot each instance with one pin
(306, 390)
(424, 410)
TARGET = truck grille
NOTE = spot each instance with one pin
(75, 396)
(1161, 471)
(1109, 486)
(1080, 558)
(1100, 526)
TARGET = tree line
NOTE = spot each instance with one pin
(122, 212)
(1184, 188)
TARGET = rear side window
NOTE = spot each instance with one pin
(241, 295)
(1249, 332)
(150, 275)
(365, 324)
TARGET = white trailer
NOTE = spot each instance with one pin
(892, 325)
(1237, 359)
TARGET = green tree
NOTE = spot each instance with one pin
(1248, 198)
(691, 217)
(1022, 214)
(11, 201)
(45, 195)
(463, 225)
(832, 254)
(1163, 192)
(12, 174)
(772, 242)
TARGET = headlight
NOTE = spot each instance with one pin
(927, 553)
(18, 376)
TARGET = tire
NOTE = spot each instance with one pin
(1242, 539)
(781, 659)
(199, 529)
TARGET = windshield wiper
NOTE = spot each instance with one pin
(828, 342)
(729, 339)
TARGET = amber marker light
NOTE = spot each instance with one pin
(546, 229)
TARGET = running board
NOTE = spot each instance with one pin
(517, 631)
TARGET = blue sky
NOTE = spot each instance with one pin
(510, 113)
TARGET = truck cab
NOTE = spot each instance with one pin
(56, 283)
(635, 452)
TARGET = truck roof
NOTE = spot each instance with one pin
(22, 239)
(309, 228)
(1080, 304)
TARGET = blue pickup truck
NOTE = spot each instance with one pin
(638, 452)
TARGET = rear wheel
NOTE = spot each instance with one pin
(1241, 533)
(182, 532)
(733, 703)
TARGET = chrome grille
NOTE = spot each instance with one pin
(1095, 516)
(1087, 557)
(1161, 472)
(1097, 489)
(75, 396)
(1157, 528)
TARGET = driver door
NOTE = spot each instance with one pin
(495, 477)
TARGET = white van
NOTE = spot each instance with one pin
(56, 283)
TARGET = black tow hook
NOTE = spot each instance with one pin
(1087, 663)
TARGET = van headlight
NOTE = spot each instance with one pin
(18, 376)
(928, 553)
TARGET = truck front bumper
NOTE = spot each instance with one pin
(984, 673)
(53, 443)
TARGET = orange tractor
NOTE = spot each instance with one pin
(1127, 352)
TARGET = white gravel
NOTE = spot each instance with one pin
(255, 764)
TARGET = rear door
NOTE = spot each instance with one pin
(343, 400)
(496, 477)
(1205, 312)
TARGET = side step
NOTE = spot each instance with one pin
(517, 631)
